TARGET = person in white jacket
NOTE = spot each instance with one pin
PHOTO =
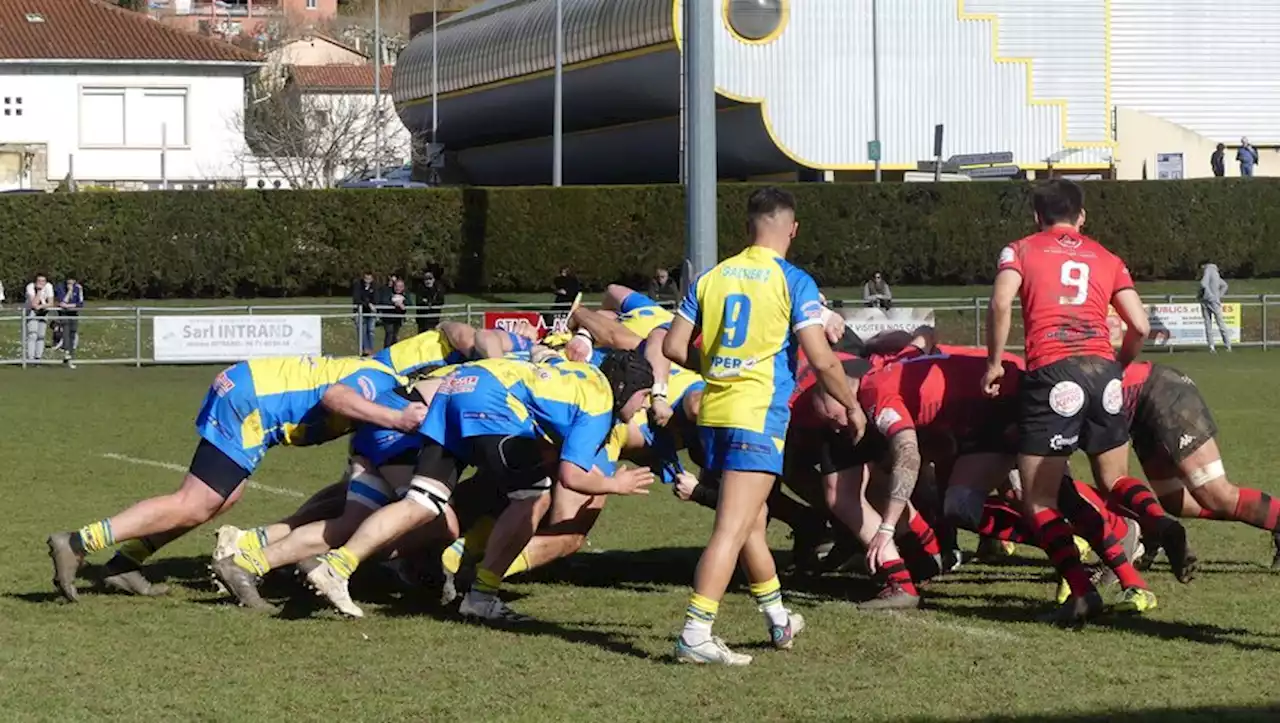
(39, 299)
(1212, 289)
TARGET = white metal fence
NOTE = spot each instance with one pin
(124, 334)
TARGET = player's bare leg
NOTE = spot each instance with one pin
(898, 589)
(1041, 479)
(614, 295)
(325, 504)
(762, 576)
(512, 531)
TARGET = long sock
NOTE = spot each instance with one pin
(254, 561)
(698, 618)
(476, 537)
(1135, 496)
(1053, 535)
(924, 533)
(768, 595)
(137, 551)
(1258, 509)
(96, 536)
(1003, 521)
(895, 572)
(1103, 530)
(487, 582)
(254, 539)
(519, 565)
(451, 558)
(342, 561)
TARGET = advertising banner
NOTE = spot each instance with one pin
(508, 320)
(1179, 324)
(866, 322)
(234, 338)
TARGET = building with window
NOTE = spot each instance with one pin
(109, 97)
(1123, 88)
(244, 19)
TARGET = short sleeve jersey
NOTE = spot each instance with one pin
(1068, 281)
(748, 309)
(1135, 377)
(422, 351)
(940, 391)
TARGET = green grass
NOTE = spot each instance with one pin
(108, 334)
(608, 615)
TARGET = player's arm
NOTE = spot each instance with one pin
(904, 466)
(347, 402)
(813, 340)
(1000, 314)
(462, 337)
(661, 365)
(491, 343)
(624, 480)
(1128, 306)
(675, 345)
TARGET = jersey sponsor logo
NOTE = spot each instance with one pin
(886, 419)
(744, 274)
(1007, 256)
(459, 385)
(1058, 442)
(222, 384)
(725, 367)
(1069, 242)
(1066, 399)
(1113, 397)
(367, 389)
(812, 309)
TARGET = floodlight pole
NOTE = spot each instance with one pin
(699, 21)
(377, 89)
(557, 163)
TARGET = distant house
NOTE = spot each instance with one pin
(108, 96)
(316, 49)
(243, 19)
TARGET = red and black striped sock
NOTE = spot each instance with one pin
(1104, 530)
(924, 534)
(1003, 521)
(1134, 495)
(1053, 535)
(1258, 509)
(895, 572)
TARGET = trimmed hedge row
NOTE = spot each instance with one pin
(267, 243)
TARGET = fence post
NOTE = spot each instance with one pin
(1264, 324)
(469, 323)
(22, 336)
(977, 321)
(137, 337)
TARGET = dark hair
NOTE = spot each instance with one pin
(1058, 201)
(40, 274)
(766, 202)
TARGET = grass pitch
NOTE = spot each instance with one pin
(81, 444)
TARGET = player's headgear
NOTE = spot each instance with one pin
(628, 372)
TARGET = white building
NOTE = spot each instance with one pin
(1090, 85)
(114, 98)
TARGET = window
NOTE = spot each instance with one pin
(133, 117)
(12, 105)
(311, 4)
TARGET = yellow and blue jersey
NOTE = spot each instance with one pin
(566, 402)
(422, 351)
(641, 315)
(748, 308)
(261, 403)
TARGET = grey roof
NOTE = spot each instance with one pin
(503, 39)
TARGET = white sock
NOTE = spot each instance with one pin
(776, 614)
(695, 632)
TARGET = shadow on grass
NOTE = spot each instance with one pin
(1215, 714)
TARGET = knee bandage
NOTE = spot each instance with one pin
(429, 493)
(963, 506)
(537, 489)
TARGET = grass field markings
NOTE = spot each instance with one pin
(179, 468)
(983, 633)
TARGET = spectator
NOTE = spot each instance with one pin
(364, 299)
(430, 301)
(662, 287)
(39, 301)
(876, 293)
(1, 293)
(1212, 289)
(1247, 156)
(1218, 162)
(393, 311)
(70, 299)
(567, 289)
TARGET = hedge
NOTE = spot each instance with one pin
(289, 243)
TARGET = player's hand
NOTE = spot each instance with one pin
(877, 551)
(540, 354)
(684, 486)
(834, 326)
(660, 411)
(857, 428)
(991, 380)
(578, 349)
(526, 330)
(632, 481)
(411, 417)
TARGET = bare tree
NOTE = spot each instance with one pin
(313, 140)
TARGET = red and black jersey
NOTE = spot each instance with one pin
(942, 392)
(803, 415)
(1068, 281)
(1135, 377)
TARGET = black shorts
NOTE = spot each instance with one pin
(1171, 419)
(216, 469)
(477, 496)
(1075, 403)
(837, 452)
(992, 437)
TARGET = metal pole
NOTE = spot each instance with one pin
(137, 337)
(875, 80)
(435, 70)
(164, 153)
(700, 89)
(684, 101)
(557, 167)
(377, 89)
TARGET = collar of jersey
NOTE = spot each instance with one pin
(764, 250)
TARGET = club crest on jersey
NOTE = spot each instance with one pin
(886, 419)
(367, 389)
(1066, 399)
(1113, 397)
(222, 384)
(1069, 242)
(1007, 256)
(812, 309)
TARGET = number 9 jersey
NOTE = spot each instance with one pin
(1068, 281)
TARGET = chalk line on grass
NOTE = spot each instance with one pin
(985, 633)
(179, 468)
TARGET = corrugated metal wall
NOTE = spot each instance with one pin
(1212, 66)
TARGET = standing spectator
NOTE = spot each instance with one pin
(393, 312)
(39, 301)
(1247, 156)
(430, 301)
(1212, 289)
(1218, 162)
(364, 299)
(662, 287)
(1, 293)
(567, 289)
(70, 299)
(876, 293)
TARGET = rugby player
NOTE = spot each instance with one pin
(1071, 396)
(250, 408)
(750, 309)
(1175, 439)
(492, 414)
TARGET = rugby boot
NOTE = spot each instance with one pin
(1076, 611)
(240, 583)
(125, 576)
(227, 541)
(1136, 600)
(328, 584)
(711, 651)
(489, 609)
(892, 597)
(67, 556)
(1151, 550)
(1182, 560)
(783, 636)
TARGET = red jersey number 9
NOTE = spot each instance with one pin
(1075, 276)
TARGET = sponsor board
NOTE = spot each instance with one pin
(866, 323)
(510, 321)
(234, 338)
(1179, 324)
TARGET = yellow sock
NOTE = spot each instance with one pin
(767, 593)
(451, 558)
(487, 582)
(254, 561)
(96, 536)
(342, 561)
(254, 539)
(137, 550)
(702, 609)
(477, 537)
(520, 565)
